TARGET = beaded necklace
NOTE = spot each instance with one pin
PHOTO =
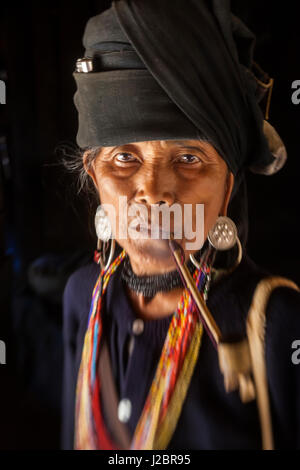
(167, 393)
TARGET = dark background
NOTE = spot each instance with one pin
(45, 227)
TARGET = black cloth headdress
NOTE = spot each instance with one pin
(173, 70)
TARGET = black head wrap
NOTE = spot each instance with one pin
(172, 70)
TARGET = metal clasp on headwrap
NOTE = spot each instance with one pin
(84, 65)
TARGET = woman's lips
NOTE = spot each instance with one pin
(159, 248)
(155, 232)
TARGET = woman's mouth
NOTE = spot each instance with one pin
(149, 231)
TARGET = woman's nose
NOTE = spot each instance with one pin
(155, 189)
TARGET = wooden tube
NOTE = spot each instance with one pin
(207, 316)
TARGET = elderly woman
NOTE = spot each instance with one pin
(164, 339)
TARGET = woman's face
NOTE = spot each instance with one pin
(143, 174)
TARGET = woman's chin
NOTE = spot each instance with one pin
(152, 252)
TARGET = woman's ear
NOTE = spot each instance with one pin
(228, 191)
(89, 166)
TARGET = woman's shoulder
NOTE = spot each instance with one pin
(234, 294)
(280, 293)
(283, 312)
(79, 288)
(84, 275)
(278, 298)
(250, 275)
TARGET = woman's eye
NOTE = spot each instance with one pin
(188, 158)
(125, 158)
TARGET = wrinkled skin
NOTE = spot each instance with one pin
(182, 172)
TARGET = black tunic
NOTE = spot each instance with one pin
(210, 417)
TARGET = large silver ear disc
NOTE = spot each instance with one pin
(223, 235)
(102, 225)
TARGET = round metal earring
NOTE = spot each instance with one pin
(104, 234)
(222, 236)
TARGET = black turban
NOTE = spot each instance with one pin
(180, 69)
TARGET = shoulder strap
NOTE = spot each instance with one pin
(256, 325)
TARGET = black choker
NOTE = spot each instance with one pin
(149, 286)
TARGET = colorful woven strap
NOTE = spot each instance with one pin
(170, 384)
